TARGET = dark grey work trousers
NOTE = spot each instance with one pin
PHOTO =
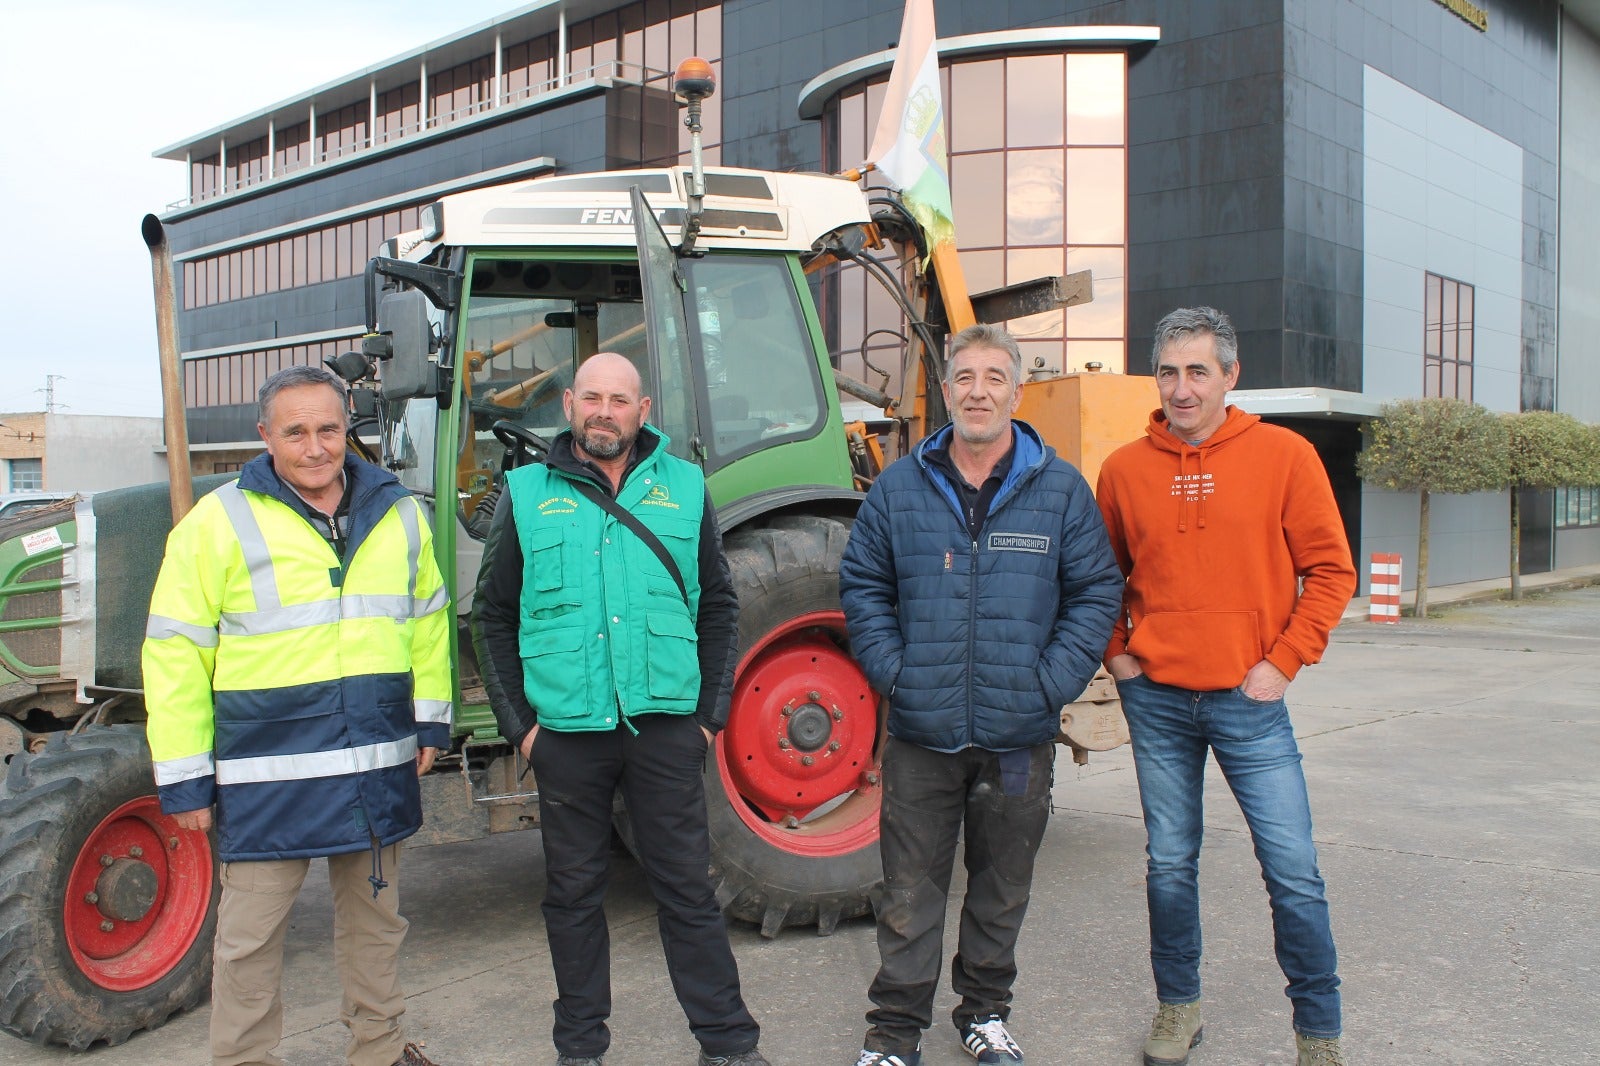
(929, 797)
(658, 772)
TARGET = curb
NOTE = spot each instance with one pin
(1449, 595)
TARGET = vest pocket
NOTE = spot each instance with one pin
(544, 562)
(673, 656)
(555, 672)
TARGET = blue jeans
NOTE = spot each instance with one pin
(1255, 748)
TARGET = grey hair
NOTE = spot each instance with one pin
(983, 335)
(292, 376)
(1186, 322)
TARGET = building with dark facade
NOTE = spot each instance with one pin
(1378, 191)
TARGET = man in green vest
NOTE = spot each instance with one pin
(609, 663)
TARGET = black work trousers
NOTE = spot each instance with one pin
(658, 771)
(928, 797)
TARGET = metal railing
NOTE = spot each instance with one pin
(615, 70)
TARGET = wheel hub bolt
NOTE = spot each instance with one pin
(813, 696)
(806, 760)
(91, 898)
(783, 742)
(106, 860)
(136, 851)
(870, 777)
(838, 715)
(833, 745)
(172, 842)
(107, 926)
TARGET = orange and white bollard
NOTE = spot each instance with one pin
(1385, 605)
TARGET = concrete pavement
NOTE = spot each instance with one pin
(1452, 768)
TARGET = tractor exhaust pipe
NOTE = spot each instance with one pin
(180, 483)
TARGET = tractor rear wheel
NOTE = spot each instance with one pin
(107, 908)
(792, 788)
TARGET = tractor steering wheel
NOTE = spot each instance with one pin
(523, 445)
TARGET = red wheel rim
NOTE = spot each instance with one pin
(137, 896)
(796, 759)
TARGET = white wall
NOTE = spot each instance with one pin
(88, 453)
(1442, 195)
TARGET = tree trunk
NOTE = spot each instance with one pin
(1421, 609)
(1516, 546)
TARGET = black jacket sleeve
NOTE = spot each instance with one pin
(717, 625)
(496, 609)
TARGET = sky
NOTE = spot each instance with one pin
(92, 89)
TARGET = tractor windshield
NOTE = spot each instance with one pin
(742, 377)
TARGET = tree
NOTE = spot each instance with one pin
(1433, 445)
(1546, 451)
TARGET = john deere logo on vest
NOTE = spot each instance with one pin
(659, 497)
(1019, 542)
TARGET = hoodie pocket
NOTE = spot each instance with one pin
(1198, 650)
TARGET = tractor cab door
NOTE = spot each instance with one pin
(666, 320)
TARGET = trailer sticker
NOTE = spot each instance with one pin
(42, 541)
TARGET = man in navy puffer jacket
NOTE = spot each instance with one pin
(980, 589)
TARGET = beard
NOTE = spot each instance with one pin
(982, 434)
(606, 448)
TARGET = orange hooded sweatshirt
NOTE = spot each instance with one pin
(1212, 539)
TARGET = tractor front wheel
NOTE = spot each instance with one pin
(792, 787)
(107, 908)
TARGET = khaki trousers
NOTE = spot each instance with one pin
(246, 1007)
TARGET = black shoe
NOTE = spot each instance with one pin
(989, 1043)
(738, 1058)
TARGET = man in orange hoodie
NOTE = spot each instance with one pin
(1237, 569)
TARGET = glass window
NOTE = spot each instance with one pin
(1035, 108)
(1577, 507)
(1035, 196)
(1096, 191)
(1025, 264)
(27, 475)
(1447, 345)
(1104, 316)
(973, 128)
(976, 192)
(1097, 95)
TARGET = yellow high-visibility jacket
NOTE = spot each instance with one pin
(288, 688)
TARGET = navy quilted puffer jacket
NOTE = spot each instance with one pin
(980, 642)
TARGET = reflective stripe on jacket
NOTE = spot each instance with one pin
(287, 688)
(603, 628)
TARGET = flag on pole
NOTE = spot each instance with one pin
(908, 146)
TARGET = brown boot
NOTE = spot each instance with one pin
(1176, 1029)
(1317, 1050)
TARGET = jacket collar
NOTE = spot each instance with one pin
(372, 492)
(1031, 454)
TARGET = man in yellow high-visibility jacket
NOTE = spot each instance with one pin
(297, 679)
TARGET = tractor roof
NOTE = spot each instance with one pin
(744, 209)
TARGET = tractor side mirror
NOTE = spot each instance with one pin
(401, 346)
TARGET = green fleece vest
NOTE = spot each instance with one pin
(604, 631)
